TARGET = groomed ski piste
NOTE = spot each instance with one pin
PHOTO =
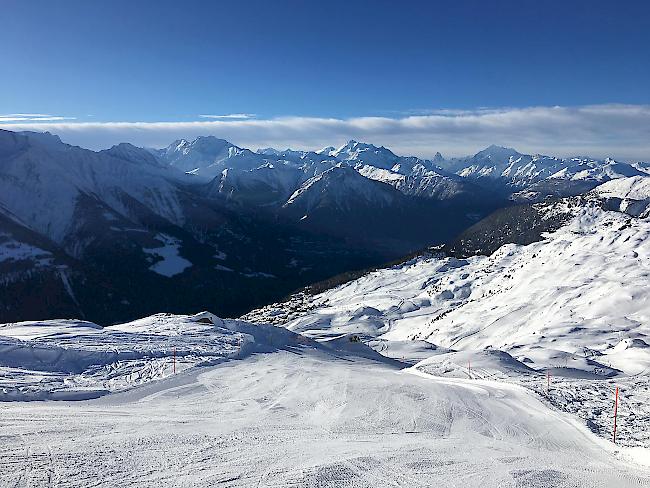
(434, 372)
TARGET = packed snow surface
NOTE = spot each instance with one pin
(306, 416)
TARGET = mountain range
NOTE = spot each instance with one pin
(124, 232)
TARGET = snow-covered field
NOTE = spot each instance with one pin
(488, 371)
(169, 262)
(72, 359)
(304, 416)
(256, 405)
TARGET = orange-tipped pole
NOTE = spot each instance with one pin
(615, 413)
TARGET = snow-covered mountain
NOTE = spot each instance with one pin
(262, 186)
(336, 192)
(533, 177)
(207, 156)
(342, 189)
(342, 203)
(450, 357)
(494, 174)
(359, 153)
(573, 302)
(81, 220)
(130, 153)
(410, 175)
(628, 195)
(434, 184)
(596, 246)
(49, 185)
(114, 234)
(642, 166)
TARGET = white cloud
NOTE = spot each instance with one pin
(229, 116)
(32, 118)
(26, 115)
(621, 131)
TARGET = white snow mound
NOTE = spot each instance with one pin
(72, 359)
(486, 364)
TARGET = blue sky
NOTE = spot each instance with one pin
(91, 62)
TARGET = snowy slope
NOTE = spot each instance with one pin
(208, 156)
(340, 187)
(473, 410)
(72, 359)
(305, 417)
(576, 304)
(629, 195)
(583, 288)
(637, 188)
(32, 163)
(508, 167)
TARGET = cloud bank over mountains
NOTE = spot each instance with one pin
(618, 130)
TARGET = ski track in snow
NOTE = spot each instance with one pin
(305, 418)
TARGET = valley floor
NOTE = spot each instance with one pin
(306, 417)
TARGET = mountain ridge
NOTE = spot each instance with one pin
(127, 231)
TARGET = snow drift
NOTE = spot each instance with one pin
(71, 359)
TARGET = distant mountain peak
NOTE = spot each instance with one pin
(326, 151)
(269, 151)
(45, 140)
(133, 154)
(499, 152)
(210, 143)
(364, 153)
